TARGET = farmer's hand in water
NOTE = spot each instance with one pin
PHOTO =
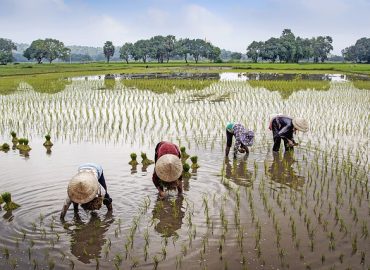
(162, 194)
(291, 143)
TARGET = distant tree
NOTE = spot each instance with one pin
(363, 49)
(126, 51)
(170, 41)
(141, 50)
(108, 50)
(6, 47)
(321, 48)
(183, 48)
(271, 49)
(198, 48)
(254, 50)
(236, 56)
(55, 49)
(288, 46)
(349, 54)
(157, 48)
(212, 52)
(36, 51)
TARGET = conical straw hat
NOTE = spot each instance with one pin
(300, 124)
(83, 187)
(168, 168)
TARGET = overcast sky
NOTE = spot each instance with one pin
(228, 24)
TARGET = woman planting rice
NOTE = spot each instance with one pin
(84, 189)
(283, 127)
(243, 138)
(168, 168)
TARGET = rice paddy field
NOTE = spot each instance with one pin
(307, 209)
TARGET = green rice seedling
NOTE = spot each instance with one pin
(118, 259)
(9, 204)
(155, 261)
(354, 244)
(145, 160)
(184, 155)
(186, 173)
(194, 160)
(6, 252)
(48, 142)
(133, 161)
(4, 147)
(341, 257)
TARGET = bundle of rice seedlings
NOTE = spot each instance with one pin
(48, 142)
(186, 173)
(194, 160)
(145, 160)
(9, 205)
(133, 161)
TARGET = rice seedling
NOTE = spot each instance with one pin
(133, 161)
(145, 160)
(9, 204)
(186, 173)
(48, 142)
(194, 160)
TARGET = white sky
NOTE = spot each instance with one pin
(230, 25)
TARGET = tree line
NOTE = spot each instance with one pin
(286, 48)
(291, 49)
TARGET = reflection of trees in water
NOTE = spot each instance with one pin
(237, 171)
(170, 213)
(48, 85)
(87, 239)
(282, 171)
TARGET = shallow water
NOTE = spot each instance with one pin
(309, 209)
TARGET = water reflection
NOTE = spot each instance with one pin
(237, 171)
(87, 239)
(170, 213)
(282, 171)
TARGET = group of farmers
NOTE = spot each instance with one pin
(85, 187)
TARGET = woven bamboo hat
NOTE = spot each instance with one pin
(168, 168)
(83, 187)
(300, 124)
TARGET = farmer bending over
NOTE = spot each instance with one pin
(168, 168)
(84, 189)
(283, 127)
(243, 138)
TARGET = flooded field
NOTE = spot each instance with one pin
(307, 209)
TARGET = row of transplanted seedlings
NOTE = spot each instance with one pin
(320, 222)
(130, 115)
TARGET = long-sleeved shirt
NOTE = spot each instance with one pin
(284, 126)
(242, 136)
(161, 149)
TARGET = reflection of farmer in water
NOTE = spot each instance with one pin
(238, 171)
(169, 212)
(282, 171)
(87, 239)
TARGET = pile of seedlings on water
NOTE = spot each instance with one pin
(184, 155)
(186, 168)
(47, 142)
(133, 162)
(145, 161)
(4, 147)
(23, 145)
(6, 197)
(194, 162)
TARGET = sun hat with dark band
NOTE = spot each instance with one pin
(168, 168)
(300, 124)
(83, 187)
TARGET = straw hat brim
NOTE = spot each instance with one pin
(168, 168)
(300, 124)
(83, 187)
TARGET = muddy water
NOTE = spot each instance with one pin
(309, 209)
